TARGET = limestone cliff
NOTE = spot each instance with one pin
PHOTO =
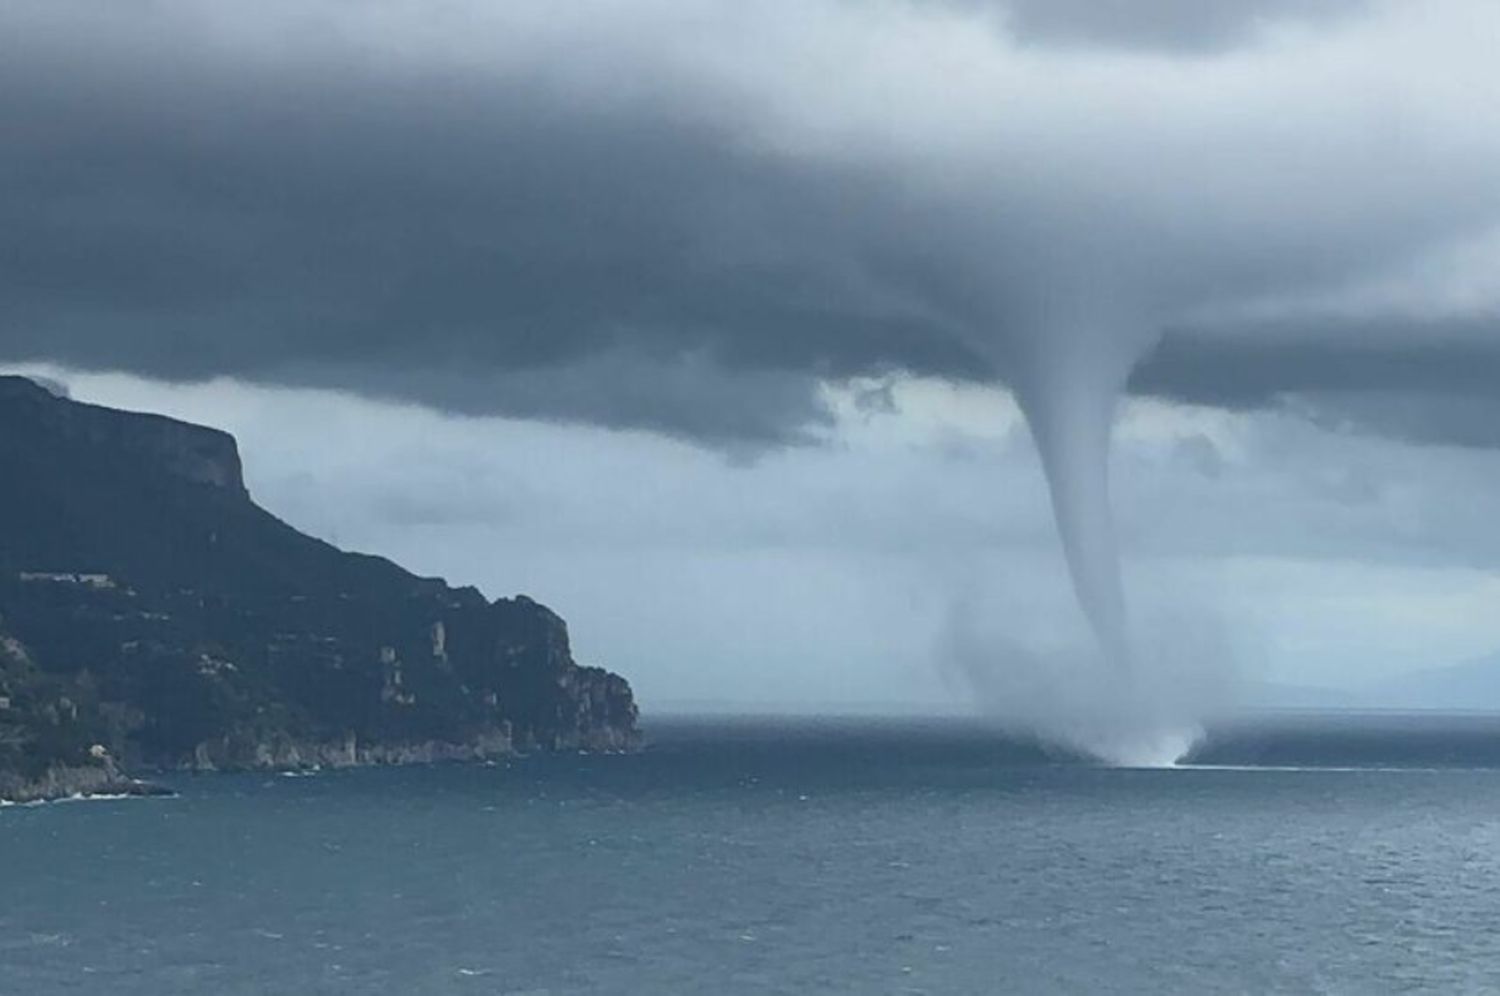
(156, 617)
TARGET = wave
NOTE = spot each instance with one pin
(86, 797)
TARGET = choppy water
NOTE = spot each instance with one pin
(798, 858)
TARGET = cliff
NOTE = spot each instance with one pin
(153, 616)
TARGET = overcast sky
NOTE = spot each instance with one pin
(697, 319)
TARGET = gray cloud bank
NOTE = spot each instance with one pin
(682, 216)
(1176, 26)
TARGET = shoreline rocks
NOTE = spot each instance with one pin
(75, 782)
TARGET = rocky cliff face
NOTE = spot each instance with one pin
(154, 616)
(191, 452)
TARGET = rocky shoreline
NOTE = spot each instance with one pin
(277, 755)
(75, 782)
(280, 753)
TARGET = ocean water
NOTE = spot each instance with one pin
(1327, 855)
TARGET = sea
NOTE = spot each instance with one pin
(1349, 854)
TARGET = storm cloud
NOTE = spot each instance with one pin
(687, 216)
(1187, 27)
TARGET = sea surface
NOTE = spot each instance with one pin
(1350, 854)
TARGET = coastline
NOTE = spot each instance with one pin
(67, 782)
(282, 756)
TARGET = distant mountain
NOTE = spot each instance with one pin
(152, 615)
(1473, 686)
(1275, 696)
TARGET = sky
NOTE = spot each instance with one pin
(715, 325)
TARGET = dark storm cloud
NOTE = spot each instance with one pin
(474, 244)
(1179, 26)
(1249, 370)
(691, 396)
(589, 223)
(1424, 381)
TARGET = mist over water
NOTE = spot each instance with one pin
(1063, 689)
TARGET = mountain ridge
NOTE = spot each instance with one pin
(153, 616)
